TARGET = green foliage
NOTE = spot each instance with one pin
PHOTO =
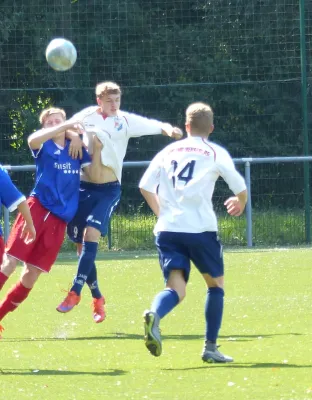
(244, 59)
(24, 117)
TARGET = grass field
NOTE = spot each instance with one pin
(267, 328)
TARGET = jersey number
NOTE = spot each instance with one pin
(186, 174)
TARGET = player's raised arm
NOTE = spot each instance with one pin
(51, 127)
(76, 141)
(172, 131)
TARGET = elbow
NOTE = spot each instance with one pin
(143, 193)
(32, 143)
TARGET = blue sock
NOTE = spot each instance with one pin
(213, 313)
(85, 264)
(93, 283)
(164, 302)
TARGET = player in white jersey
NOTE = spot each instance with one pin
(178, 186)
(98, 199)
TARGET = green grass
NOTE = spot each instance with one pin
(267, 328)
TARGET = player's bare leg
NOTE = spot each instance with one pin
(7, 268)
(20, 291)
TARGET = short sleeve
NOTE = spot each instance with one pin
(151, 178)
(11, 197)
(229, 173)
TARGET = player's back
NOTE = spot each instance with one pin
(188, 171)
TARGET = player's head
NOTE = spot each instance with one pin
(52, 117)
(108, 95)
(199, 120)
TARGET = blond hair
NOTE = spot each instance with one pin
(200, 118)
(105, 88)
(49, 111)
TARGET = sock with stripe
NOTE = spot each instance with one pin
(15, 296)
(93, 283)
(85, 264)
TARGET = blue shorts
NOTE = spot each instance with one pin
(176, 250)
(97, 202)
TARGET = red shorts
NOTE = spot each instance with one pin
(1, 249)
(50, 232)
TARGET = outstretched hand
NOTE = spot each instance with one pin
(176, 133)
(76, 145)
(172, 131)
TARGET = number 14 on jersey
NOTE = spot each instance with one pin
(185, 174)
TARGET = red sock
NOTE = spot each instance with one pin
(15, 296)
(3, 279)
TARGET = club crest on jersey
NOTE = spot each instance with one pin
(118, 124)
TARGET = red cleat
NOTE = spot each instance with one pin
(98, 310)
(70, 301)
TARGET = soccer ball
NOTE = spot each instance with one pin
(61, 54)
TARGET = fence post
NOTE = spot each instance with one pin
(304, 99)
(248, 205)
(109, 236)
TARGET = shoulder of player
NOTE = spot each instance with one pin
(219, 150)
(3, 173)
(86, 112)
(132, 117)
(127, 116)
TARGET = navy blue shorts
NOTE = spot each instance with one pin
(97, 202)
(176, 250)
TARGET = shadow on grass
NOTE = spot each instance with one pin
(273, 366)
(133, 336)
(112, 372)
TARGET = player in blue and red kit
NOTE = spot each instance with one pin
(13, 199)
(53, 202)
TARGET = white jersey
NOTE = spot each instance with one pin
(114, 133)
(184, 175)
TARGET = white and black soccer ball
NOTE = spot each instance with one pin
(61, 54)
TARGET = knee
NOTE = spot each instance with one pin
(92, 235)
(215, 282)
(29, 276)
(8, 265)
(181, 292)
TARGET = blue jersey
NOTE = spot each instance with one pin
(58, 179)
(10, 196)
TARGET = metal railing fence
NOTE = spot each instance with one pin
(283, 192)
